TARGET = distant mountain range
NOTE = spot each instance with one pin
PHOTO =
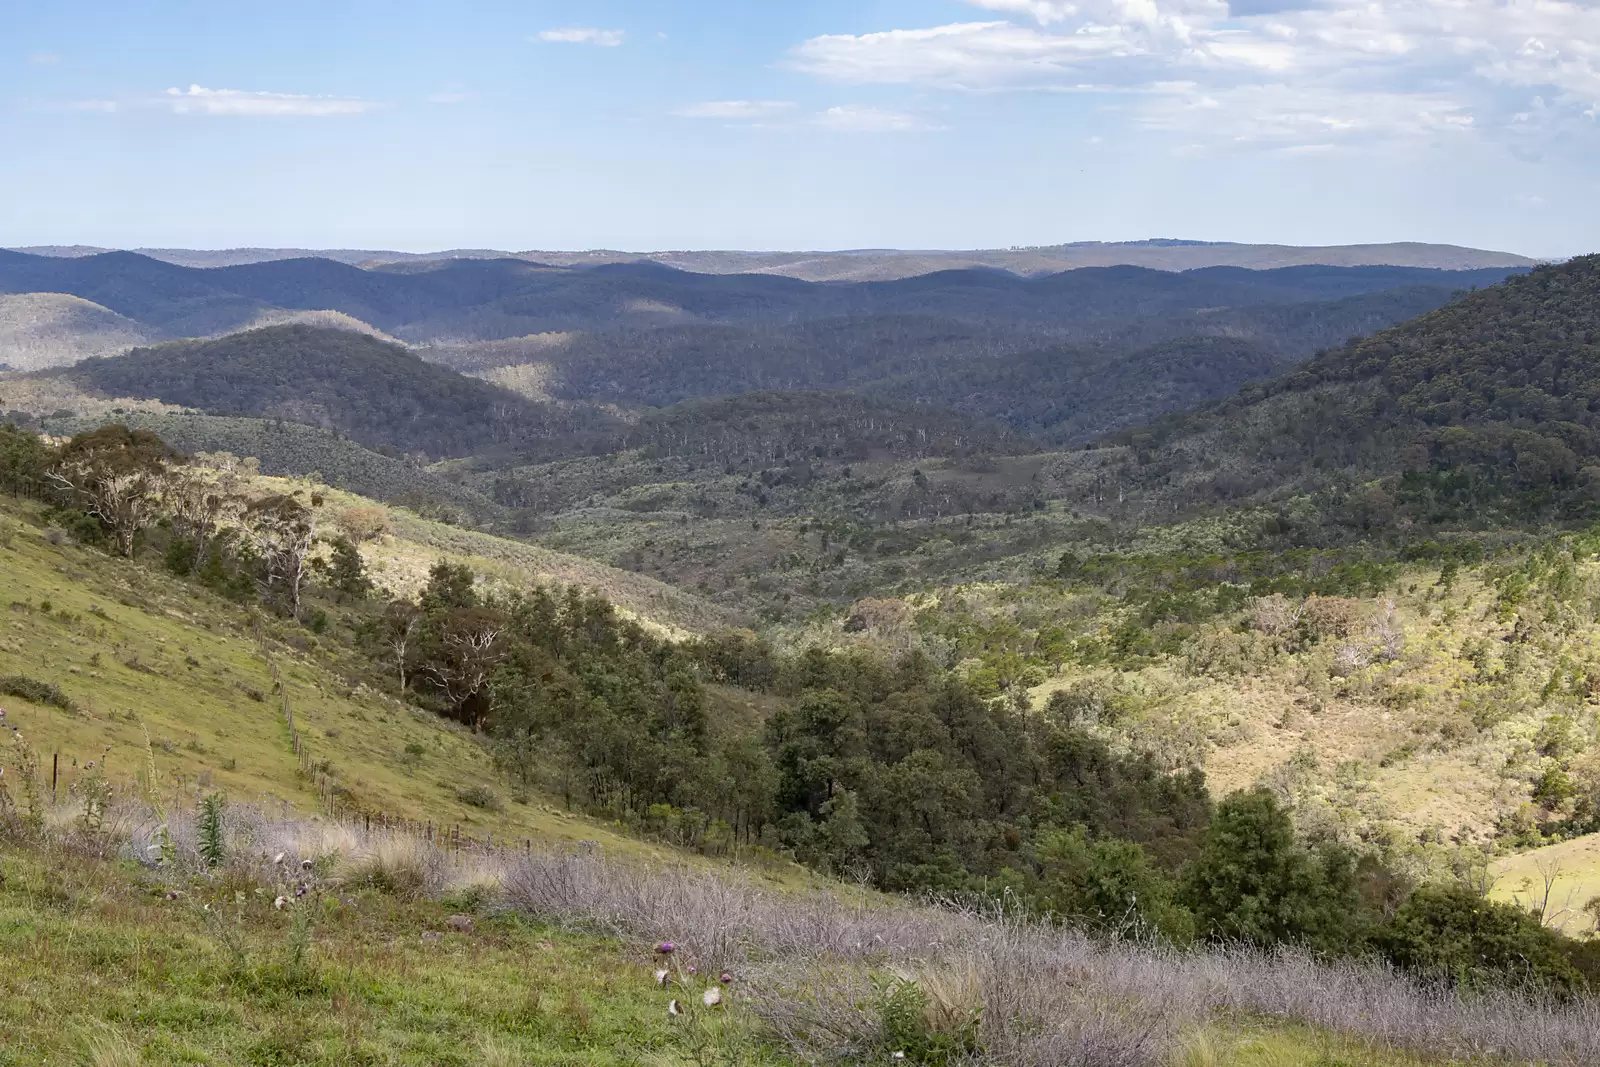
(496, 299)
(1061, 357)
(878, 264)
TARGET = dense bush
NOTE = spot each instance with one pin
(1453, 932)
(1254, 882)
(36, 691)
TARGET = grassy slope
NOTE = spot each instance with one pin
(1381, 749)
(400, 560)
(102, 969)
(137, 650)
(1574, 868)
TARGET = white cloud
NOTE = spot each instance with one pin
(963, 55)
(736, 110)
(449, 98)
(1300, 118)
(44, 59)
(856, 118)
(198, 100)
(1307, 72)
(582, 35)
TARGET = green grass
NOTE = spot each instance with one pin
(102, 969)
(1282, 1046)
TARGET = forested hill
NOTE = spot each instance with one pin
(1487, 409)
(376, 393)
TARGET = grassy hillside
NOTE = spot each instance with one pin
(116, 965)
(282, 448)
(401, 558)
(103, 968)
(136, 651)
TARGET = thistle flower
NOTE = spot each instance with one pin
(673, 1009)
(280, 903)
(661, 977)
(666, 948)
(711, 997)
(277, 861)
(725, 978)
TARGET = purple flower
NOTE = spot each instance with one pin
(724, 977)
(666, 948)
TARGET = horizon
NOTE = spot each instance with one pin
(455, 251)
(825, 125)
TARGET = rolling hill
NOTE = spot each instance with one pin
(1481, 411)
(377, 393)
(39, 330)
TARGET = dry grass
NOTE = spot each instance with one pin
(105, 1046)
(812, 967)
(392, 863)
(821, 970)
(1558, 880)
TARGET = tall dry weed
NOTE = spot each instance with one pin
(812, 965)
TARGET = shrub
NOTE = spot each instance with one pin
(1451, 932)
(362, 524)
(38, 692)
(479, 796)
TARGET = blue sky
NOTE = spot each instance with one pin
(527, 124)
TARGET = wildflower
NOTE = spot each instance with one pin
(711, 997)
(673, 1009)
(661, 977)
(280, 903)
(666, 948)
(300, 891)
(898, 1055)
(724, 977)
(693, 969)
(277, 861)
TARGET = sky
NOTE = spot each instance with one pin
(786, 124)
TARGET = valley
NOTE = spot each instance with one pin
(1075, 593)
